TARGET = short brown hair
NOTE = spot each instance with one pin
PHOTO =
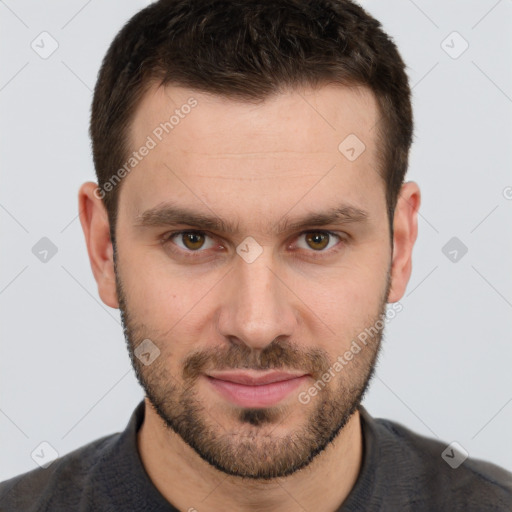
(248, 50)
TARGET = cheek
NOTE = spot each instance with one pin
(355, 287)
(346, 302)
(171, 306)
(149, 286)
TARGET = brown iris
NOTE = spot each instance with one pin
(193, 241)
(317, 241)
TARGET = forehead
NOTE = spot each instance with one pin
(298, 120)
(203, 145)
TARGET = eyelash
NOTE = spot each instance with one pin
(195, 254)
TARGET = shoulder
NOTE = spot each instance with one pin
(443, 472)
(64, 480)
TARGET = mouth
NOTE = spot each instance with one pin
(254, 388)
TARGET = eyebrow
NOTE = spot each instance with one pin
(169, 214)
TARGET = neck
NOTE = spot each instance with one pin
(188, 482)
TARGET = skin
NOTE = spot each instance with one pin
(253, 164)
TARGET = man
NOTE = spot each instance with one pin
(251, 222)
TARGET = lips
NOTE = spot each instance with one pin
(254, 389)
(254, 379)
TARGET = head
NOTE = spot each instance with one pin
(251, 213)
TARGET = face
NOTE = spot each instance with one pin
(248, 243)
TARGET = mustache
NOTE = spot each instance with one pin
(278, 355)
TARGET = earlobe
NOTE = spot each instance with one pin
(405, 225)
(96, 228)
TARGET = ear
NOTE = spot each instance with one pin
(96, 227)
(405, 227)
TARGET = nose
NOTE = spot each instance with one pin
(257, 306)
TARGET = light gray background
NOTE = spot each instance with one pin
(445, 369)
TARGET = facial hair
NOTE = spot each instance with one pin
(250, 450)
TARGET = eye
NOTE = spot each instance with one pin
(191, 241)
(318, 240)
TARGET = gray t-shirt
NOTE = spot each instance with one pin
(400, 471)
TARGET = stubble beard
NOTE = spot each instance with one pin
(249, 449)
